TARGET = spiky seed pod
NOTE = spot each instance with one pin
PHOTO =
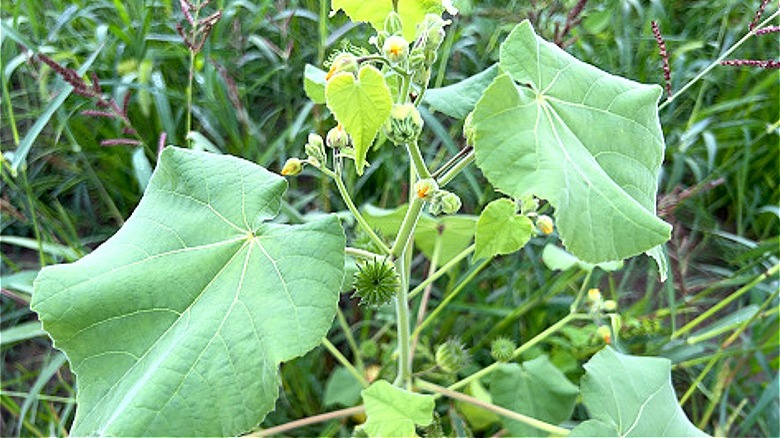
(376, 282)
(404, 124)
(368, 349)
(502, 349)
(451, 356)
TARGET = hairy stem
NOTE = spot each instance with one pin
(417, 160)
(407, 226)
(456, 169)
(533, 422)
(277, 430)
(350, 340)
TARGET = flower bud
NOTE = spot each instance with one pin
(605, 333)
(610, 305)
(337, 137)
(468, 129)
(502, 349)
(404, 124)
(594, 295)
(343, 62)
(544, 224)
(393, 24)
(451, 356)
(426, 189)
(445, 202)
(292, 167)
(395, 48)
(315, 149)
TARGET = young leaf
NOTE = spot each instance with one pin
(631, 396)
(588, 142)
(412, 12)
(361, 105)
(500, 230)
(393, 411)
(314, 83)
(458, 100)
(536, 389)
(178, 323)
(558, 259)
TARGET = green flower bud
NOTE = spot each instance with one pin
(395, 48)
(469, 130)
(544, 224)
(610, 305)
(594, 295)
(431, 33)
(605, 333)
(528, 204)
(376, 282)
(393, 24)
(502, 349)
(404, 124)
(337, 137)
(368, 349)
(426, 189)
(445, 202)
(292, 167)
(343, 62)
(451, 356)
(315, 149)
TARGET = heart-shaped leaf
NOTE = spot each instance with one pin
(393, 411)
(588, 142)
(631, 396)
(361, 105)
(177, 324)
(500, 230)
(412, 12)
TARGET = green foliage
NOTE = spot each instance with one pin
(362, 105)
(196, 294)
(458, 100)
(536, 389)
(631, 396)
(393, 411)
(342, 388)
(500, 230)
(411, 12)
(588, 142)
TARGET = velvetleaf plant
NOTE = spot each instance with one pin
(177, 325)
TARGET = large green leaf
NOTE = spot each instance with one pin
(536, 389)
(458, 100)
(455, 232)
(588, 142)
(177, 324)
(631, 396)
(394, 412)
(500, 230)
(412, 12)
(362, 105)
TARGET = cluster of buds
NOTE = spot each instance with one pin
(343, 62)
(430, 35)
(598, 304)
(404, 124)
(445, 202)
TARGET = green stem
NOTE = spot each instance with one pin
(417, 160)
(533, 422)
(451, 296)
(454, 159)
(456, 169)
(361, 253)
(441, 271)
(580, 294)
(717, 62)
(404, 377)
(344, 362)
(308, 421)
(407, 226)
(350, 340)
(521, 349)
(721, 304)
(351, 206)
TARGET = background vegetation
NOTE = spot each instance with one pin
(719, 186)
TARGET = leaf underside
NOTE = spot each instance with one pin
(588, 142)
(177, 324)
(631, 396)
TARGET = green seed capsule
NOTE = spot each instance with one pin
(502, 349)
(451, 356)
(376, 282)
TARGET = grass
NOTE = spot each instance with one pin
(70, 193)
